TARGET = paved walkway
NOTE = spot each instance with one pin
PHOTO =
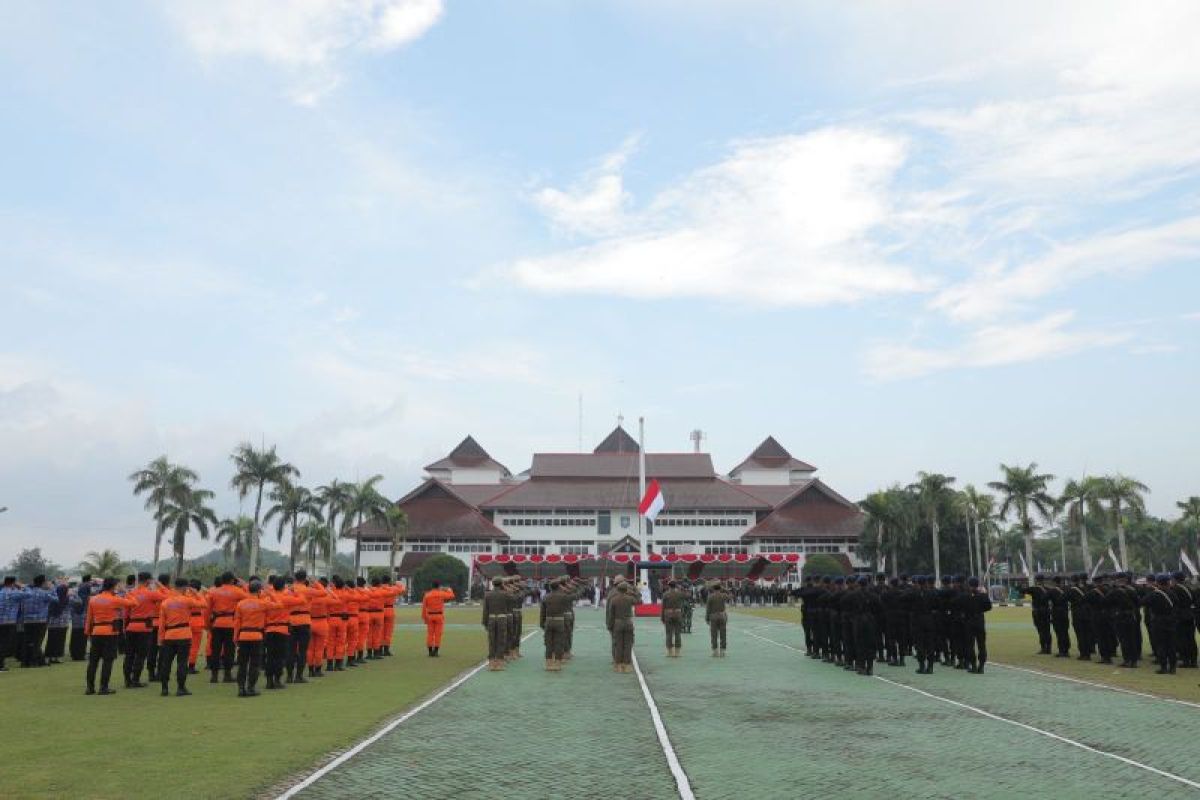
(768, 722)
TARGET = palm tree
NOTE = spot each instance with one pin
(253, 471)
(975, 506)
(161, 481)
(102, 564)
(879, 517)
(333, 497)
(234, 536)
(365, 502)
(1190, 518)
(292, 500)
(934, 495)
(1023, 488)
(1121, 491)
(312, 538)
(1079, 497)
(184, 513)
(396, 521)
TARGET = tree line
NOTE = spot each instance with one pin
(312, 518)
(914, 525)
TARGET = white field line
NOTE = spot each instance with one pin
(1048, 734)
(1095, 685)
(681, 779)
(998, 718)
(386, 729)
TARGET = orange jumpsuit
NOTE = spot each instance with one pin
(222, 603)
(353, 603)
(433, 608)
(335, 645)
(389, 613)
(319, 605)
(375, 601)
(198, 621)
(364, 618)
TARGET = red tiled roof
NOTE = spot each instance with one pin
(772, 495)
(468, 454)
(621, 465)
(435, 511)
(478, 493)
(772, 455)
(813, 510)
(594, 494)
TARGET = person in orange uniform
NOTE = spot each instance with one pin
(365, 610)
(389, 613)
(335, 645)
(100, 625)
(433, 609)
(222, 602)
(164, 582)
(375, 609)
(143, 617)
(175, 636)
(249, 626)
(353, 601)
(319, 603)
(198, 622)
(300, 627)
(276, 642)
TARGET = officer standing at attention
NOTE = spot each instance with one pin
(672, 617)
(175, 637)
(1041, 611)
(551, 620)
(1162, 625)
(717, 618)
(574, 591)
(1080, 621)
(1185, 621)
(433, 614)
(100, 624)
(975, 604)
(1060, 616)
(496, 623)
(619, 620)
(924, 606)
(249, 625)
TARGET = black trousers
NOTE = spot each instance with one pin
(103, 651)
(1162, 635)
(31, 643)
(1083, 633)
(1185, 641)
(1130, 637)
(1041, 621)
(976, 644)
(249, 662)
(806, 623)
(137, 646)
(8, 635)
(152, 656)
(222, 649)
(78, 646)
(1062, 631)
(174, 649)
(298, 648)
(277, 650)
(56, 642)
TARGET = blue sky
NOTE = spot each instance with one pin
(896, 236)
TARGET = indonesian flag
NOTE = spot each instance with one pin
(653, 502)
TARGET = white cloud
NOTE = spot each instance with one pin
(596, 204)
(990, 346)
(305, 37)
(789, 220)
(997, 289)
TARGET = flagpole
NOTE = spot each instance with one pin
(645, 555)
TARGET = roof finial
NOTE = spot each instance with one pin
(620, 419)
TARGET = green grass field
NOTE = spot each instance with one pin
(213, 744)
(1012, 640)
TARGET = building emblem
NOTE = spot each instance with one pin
(625, 520)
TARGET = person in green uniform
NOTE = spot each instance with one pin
(496, 623)
(552, 620)
(673, 601)
(573, 589)
(516, 602)
(619, 620)
(717, 617)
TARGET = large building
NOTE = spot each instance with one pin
(585, 504)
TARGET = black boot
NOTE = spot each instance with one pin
(214, 677)
(228, 677)
(437, 651)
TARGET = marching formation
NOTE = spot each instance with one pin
(1107, 615)
(855, 622)
(287, 629)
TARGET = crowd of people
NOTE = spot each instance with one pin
(855, 622)
(288, 629)
(1107, 615)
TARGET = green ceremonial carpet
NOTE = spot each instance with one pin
(768, 722)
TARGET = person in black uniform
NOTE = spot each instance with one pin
(924, 607)
(895, 620)
(955, 611)
(1060, 616)
(1041, 611)
(807, 594)
(975, 603)
(848, 607)
(1101, 614)
(1080, 620)
(833, 619)
(1162, 623)
(1123, 602)
(867, 610)
(1185, 620)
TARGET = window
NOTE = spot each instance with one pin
(470, 547)
(575, 550)
(523, 550)
(604, 523)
